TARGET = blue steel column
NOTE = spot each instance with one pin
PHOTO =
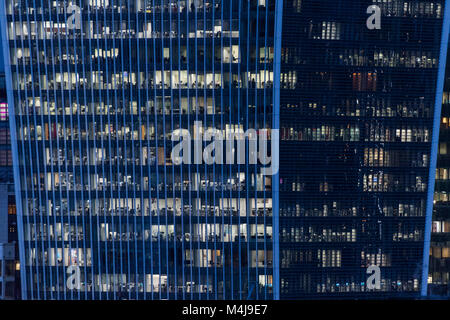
(43, 157)
(148, 158)
(276, 125)
(47, 159)
(88, 157)
(107, 202)
(53, 170)
(35, 278)
(81, 160)
(221, 206)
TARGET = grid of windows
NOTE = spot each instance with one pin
(356, 126)
(4, 115)
(99, 88)
(6, 158)
(439, 270)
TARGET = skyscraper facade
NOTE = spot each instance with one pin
(9, 246)
(357, 111)
(439, 273)
(144, 157)
(102, 93)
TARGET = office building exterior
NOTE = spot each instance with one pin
(438, 280)
(7, 273)
(9, 246)
(115, 202)
(357, 110)
(100, 92)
